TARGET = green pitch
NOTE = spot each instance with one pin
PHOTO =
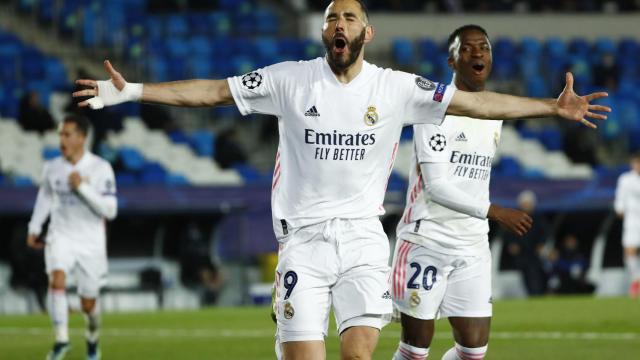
(548, 328)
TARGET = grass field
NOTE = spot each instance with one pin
(548, 328)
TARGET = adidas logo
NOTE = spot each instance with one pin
(386, 295)
(312, 112)
(461, 137)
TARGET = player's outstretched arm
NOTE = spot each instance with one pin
(516, 221)
(490, 105)
(187, 93)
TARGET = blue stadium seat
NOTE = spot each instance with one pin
(504, 68)
(22, 181)
(201, 67)
(45, 11)
(407, 133)
(536, 87)
(555, 48)
(396, 183)
(551, 138)
(504, 48)
(202, 142)
(634, 141)
(266, 21)
(605, 46)
(178, 48)
(530, 47)
(221, 25)
(124, 179)
(402, 50)
(249, 174)
(131, 159)
(56, 74)
(509, 167)
(200, 45)
(176, 26)
(49, 153)
(176, 180)
(428, 49)
(153, 174)
(267, 49)
(580, 46)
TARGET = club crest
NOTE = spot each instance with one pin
(371, 116)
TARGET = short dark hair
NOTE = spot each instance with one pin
(363, 7)
(82, 123)
(457, 32)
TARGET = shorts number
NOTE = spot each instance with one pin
(428, 277)
(290, 281)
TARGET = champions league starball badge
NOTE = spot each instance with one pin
(438, 142)
(371, 116)
(252, 80)
(288, 310)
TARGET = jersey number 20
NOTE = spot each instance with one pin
(428, 277)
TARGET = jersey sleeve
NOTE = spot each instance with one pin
(431, 143)
(426, 101)
(619, 203)
(101, 196)
(261, 91)
(42, 208)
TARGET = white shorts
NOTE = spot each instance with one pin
(89, 268)
(340, 262)
(631, 238)
(427, 285)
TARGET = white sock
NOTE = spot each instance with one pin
(460, 352)
(59, 313)
(92, 322)
(408, 352)
(631, 263)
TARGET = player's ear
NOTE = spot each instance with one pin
(369, 33)
(452, 62)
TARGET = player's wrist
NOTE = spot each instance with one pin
(494, 212)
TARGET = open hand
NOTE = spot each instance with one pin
(114, 77)
(571, 106)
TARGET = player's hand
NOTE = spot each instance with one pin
(32, 242)
(516, 221)
(571, 106)
(75, 180)
(114, 91)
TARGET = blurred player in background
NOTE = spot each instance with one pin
(442, 262)
(627, 205)
(78, 193)
(340, 120)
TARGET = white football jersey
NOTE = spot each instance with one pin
(627, 199)
(73, 220)
(337, 141)
(469, 146)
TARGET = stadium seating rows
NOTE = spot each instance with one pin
(192, 44)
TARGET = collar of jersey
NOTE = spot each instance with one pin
(356, 81)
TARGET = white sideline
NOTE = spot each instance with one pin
(212, 333)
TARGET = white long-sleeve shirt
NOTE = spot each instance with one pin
(448, 196)
(77, 217)
(627, 201)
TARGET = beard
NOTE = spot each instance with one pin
(337, 62)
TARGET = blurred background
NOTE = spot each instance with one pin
(194, 223)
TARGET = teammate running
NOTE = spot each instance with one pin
(78, 194)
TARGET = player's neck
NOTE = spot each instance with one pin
(461, 85)
(75, 157)
(345, 76)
